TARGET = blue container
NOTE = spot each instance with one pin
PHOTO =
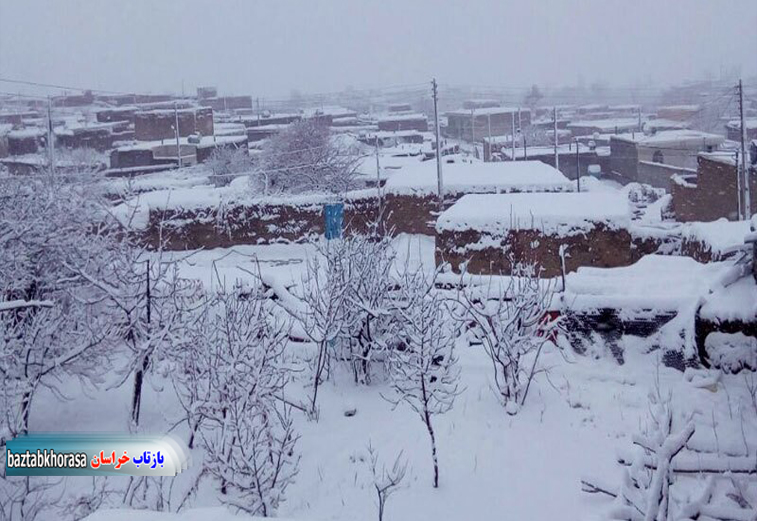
(333, 215)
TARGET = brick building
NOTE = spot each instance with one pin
(227, 103)
(116, 114)
(654, 159)
(569, 161)
(678, 112)
(396, 122)
(477, 123)
(733, 129)
(154, 125)
(710, 194)
(603, 126)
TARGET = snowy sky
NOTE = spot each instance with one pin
(270, 48)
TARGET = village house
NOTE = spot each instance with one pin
(733, 129)
(678, 112)
(476, 123)
(110, 115)
(570, 163)
(604, 126)
(157, 155)
(711, 192)
(150, 125)
(654, 159)
(25, 141)
(266, 118)
(403, 121)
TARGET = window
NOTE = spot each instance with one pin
(657, 157)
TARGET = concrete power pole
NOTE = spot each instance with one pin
(578, 169)
(554, 124)
(257, 105)
(378, 186)
(50, 136)
(512, 135)
(744, 168)
(176, 124)
(438, 146)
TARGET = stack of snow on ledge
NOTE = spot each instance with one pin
(477, 177)
(561, 214)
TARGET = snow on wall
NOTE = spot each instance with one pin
(520, 176)
(195, 514)
(561, 214)
(654, 282)
(719, 235)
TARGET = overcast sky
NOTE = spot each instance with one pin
(269, 48)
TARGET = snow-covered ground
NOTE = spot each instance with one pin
(492, 466)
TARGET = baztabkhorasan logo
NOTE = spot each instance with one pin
(95, 454)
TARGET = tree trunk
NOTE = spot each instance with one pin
(136, 398)
(427, 419)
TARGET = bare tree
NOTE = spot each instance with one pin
(371, 314)
(386, 481)
(423, 369)
(305, 157)
(513, 325)
(226, 162)
(48, 335)
(243, 419)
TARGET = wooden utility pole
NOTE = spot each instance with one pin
(554, 124)
(176, 124)
(50, 136)
(438, 145)
(512, 135)
(744, 166)
(378, 187)
(257, 105)
(578, 169)
(739, 199)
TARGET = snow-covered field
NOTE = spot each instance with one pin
(492, 465)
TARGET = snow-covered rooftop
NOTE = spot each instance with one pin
(551, 213)
(401, 117)
(487, 111)
(607, 125)
(674, 137)
(546, 150)
(655, 281)
(520, 176)
(749, 123)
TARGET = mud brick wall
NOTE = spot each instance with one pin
(488, 254)
(227, 227)
(158, 124)
(269, 222)
(713, 194)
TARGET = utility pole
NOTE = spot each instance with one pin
(50, 136)
(554, 122)
(176, 124)
(578, 169)
(512, 135)
(738, 187)
(744, 168)
(489, 132)
(639, 113)
(438, 146)
(472, 128)
(378, 187)
(257, 104)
